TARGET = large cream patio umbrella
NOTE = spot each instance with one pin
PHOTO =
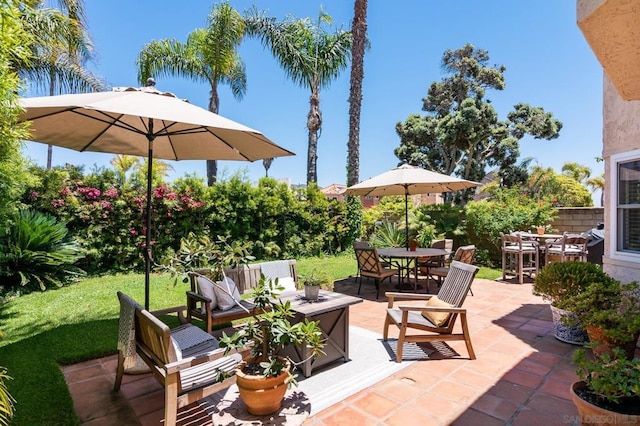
(408, 180)
(143, 122)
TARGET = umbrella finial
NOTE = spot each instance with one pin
(150, 82)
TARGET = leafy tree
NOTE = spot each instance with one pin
(461, 132)
(310, 56)
(15, 43)
(209, 55)
(561, 189)
(576, 171)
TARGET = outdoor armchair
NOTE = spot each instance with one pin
(434, 320)
(370, 266)
(185, 360)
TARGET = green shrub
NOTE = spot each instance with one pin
(507, 210)
(561, 281)
(37, 252)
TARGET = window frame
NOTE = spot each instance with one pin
(614, 232)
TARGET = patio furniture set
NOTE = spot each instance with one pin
(190, 364)
(524, 253)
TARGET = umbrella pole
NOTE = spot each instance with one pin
(147, 234)
(406, 216)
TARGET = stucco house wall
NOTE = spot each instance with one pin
(611, 29)
(621, 133)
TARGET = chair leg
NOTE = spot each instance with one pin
(504, 265)
(171, 400)
(119, 372)
(385, 331)
(403, 332)
(360, 286)
(377, 288)
(467, 337)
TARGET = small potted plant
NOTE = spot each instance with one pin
(609, 388)
(313, 282)
(610, 312)
(264, 378)
(559, 283)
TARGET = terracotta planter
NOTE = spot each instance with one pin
(262, 395)
(572, 335)
(311, 292)
(604, 344)
(593, 415)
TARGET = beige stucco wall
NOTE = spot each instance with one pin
(621, 133)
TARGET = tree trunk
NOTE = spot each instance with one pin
(314, 124)
(359, 32)
(212, 165)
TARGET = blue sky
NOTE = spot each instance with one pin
(549, 64)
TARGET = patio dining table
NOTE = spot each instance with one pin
(408, 259)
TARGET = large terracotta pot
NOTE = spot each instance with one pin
(573, 335)
(604, 344)
(262, 395)
(593, 415)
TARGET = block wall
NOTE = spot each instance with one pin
(578, 219)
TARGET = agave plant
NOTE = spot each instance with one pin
(38, 253)
(388, 235)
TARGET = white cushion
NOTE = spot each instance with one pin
(288, 283)
(206, 289)
(227, 294)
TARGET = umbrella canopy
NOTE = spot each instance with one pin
(143, 122)
(408, 180)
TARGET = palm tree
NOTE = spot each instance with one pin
(596, 183)
(359, 32)
(209, 55)
(60, 52)
(310, 56)
(576, 171)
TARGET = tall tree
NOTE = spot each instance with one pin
(461, 132)
(15, 43)
(209, 55)
(359, 34)
(597, 183)
(310, 56)
(61, 50)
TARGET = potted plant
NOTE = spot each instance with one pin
(559, 283)
(609, 388)
(610, 312)
(264, 378)
(313, 282)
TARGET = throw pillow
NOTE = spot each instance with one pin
(227, 294)
(437, 318)
(288, 283)
(206, 288)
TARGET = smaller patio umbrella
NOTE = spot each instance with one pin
(408, 180)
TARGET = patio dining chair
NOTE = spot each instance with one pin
(464, 254)
(519, 256)
(569, 247)
(370, 266)
(438, 316)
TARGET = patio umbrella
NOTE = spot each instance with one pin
(144, 122)
(408, 180)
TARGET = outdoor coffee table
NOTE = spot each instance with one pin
(332, 312)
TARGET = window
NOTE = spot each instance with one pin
(626, 201)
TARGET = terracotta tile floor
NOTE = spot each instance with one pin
(521, 375)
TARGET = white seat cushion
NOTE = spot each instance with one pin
(288, 283)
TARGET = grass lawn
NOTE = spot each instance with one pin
(80, 322)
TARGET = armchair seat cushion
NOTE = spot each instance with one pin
(203, 374)
(414, 317)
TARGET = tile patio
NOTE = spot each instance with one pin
(521, 375)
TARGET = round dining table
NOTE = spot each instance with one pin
(409, 258)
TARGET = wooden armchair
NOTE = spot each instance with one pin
(438, 316)
(186, 360)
